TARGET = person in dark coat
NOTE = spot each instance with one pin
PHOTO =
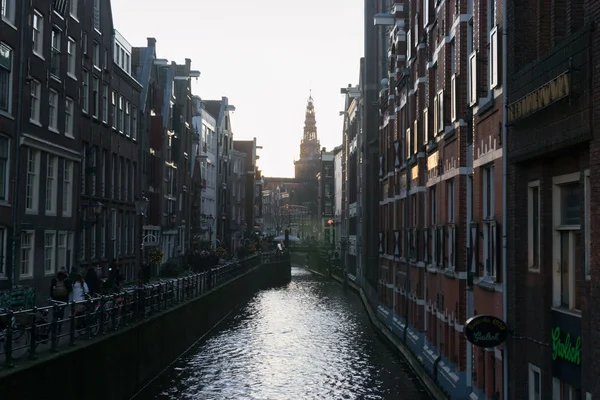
(94, 283)
(60, 288)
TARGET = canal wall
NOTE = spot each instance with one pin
(117, 366)
(416, 365)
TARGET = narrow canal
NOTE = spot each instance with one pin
(308, 340)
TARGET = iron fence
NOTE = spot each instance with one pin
(27, 333)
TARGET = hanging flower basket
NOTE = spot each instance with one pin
(155, 255)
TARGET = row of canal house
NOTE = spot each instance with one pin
(441, 187)
(78, 105)
(458, 137)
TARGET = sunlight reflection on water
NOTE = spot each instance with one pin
(308, 340)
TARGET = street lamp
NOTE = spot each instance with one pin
(141, 209)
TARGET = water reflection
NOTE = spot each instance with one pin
(309, 340)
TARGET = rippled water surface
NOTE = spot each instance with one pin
(308, 340)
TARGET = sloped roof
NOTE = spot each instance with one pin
(213, 107)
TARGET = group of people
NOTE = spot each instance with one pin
(73, 286)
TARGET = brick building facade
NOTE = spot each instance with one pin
(441, 188)
(550, 246)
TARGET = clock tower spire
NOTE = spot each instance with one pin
(310, 147)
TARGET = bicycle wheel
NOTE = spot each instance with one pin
(21, 340)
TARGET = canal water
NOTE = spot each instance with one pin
(307, 340)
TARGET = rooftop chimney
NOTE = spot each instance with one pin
(151, 42)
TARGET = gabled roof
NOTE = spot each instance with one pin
(213, 107)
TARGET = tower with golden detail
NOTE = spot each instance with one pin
(309, 163)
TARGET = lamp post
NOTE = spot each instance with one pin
(141, 208)
(96, 208)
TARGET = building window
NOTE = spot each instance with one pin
(8, 10)
(567, 199)
(113, 177)
(488, 192)
(96, 55)
(96, 96)
(27, 246)
(97, 15)
(84, 43)
(493, 58)
(114, 110)
(451, 208)
(103, 173)
(533, 225)
(93, 242)
(53, 111)
(85, 91)
(127, 119)
(93, 163)
(51, 192)
(441, 120)
(535, 383)
(63, 249)
(408, 45)
(121, 121)
(31, 190)
(71, 56)
(436, 115)
(473, 78)
(67, 188)
(105, 103)
(433, 203)
(49, 253)
(453, 98)
(36, 94)
(561, 390)
(587, 217)
(120, 170)
(55, 52)
(38, 33)
(5, 78)
(4, 168)
(73, 8)
(69, 115)
(126, 233)
(126, 186)
(114, 230)
(103, 222)
(134, 122)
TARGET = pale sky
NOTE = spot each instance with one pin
(265, 56)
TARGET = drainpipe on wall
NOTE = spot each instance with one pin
(17, 156)
(504, 191)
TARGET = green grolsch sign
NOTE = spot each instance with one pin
(486, 331)
(566, 349)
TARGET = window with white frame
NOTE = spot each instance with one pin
(127, 119)
(436, 115)
(453, 98)
(96, 96)
(488, 192)
(6, 80)
(33, 180)
(493, 49)
(4, 168)
(451, 247)
(561, 390)
(67, 188)
(408, 45)
(425, 126)
(408, 143)
(103, 173)
(134, 122)
(567, 200)
(441, 120)
(96, 54)
(490, 250)
(85, 91)
(415, 138)
(127, 172)
(432, 222)
(55, 51)
(61, 249)
(105, 103)
(473, 78)
(49, 253)
(8, 10)
(37, 26)
(84, 43)
(93, 163)
(73, 8)
(121, 114)
(535, 383)
(450, 196)
(114, 110)
(69, 115)
(27, 246)
(36, 95)
(53, 110)
(533, 225)
(51, 184)
(113, 167)
(587, 218)
(96, 19)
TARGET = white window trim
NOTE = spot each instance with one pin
(56, 100)
(36, 185)
(488, 175)
(70, 129)
(532, 370)
(54, 192)
(530, 227)
(40, 51)
(453, 98)
(587, 228)
(67, 211)
(7, 172)
(493, 58)
(441, 122)
(492, 273)
(36, 118)
(556, 216)
(10, 15)
(425, 126)
(10, 80)
(472, 83)
(31, 259)
(54, 253)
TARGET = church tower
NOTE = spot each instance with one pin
(309, 163)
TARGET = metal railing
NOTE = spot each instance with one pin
(28, 333)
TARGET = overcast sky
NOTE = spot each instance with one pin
(265, 56)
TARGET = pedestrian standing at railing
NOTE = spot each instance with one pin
(80, 288)
(93, 282)
(60, 289)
